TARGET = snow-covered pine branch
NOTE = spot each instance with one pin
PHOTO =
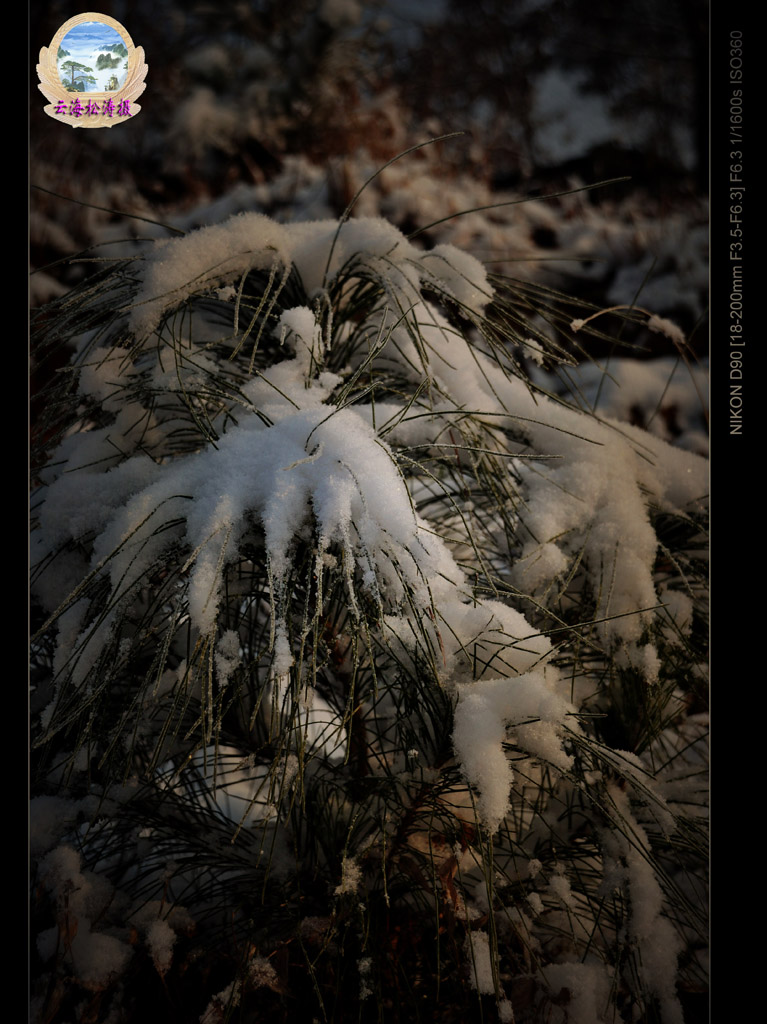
(310, 512)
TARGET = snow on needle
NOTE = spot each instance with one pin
(657, 324)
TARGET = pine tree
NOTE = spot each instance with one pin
(366, 671)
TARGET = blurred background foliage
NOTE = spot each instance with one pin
(545, 89)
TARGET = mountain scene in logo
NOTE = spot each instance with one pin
(92, 57)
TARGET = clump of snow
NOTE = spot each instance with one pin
(363, 966)
(559, 885)
(227, 655)
(477, 950)
(214, 256)
(658, 942)
(160, 925)
(261, 972)
(463, 277)
(536, 903)
(82, 897)
(505, 1011)
(660, 325)
(587, 987)
(351, 877)
(178, 267)
(485, 710)
(160, 940)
